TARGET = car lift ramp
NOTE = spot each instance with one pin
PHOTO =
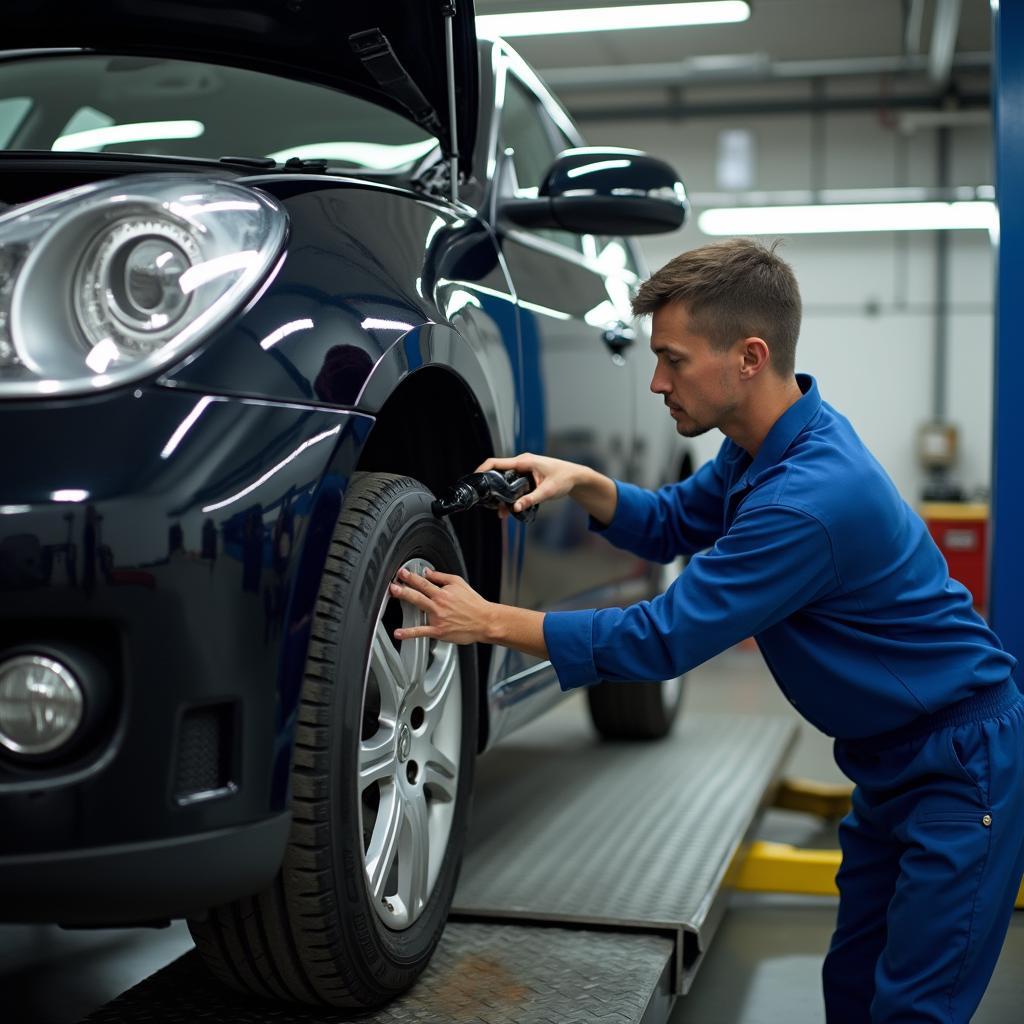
(594, 878)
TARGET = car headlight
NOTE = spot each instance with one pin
(107, 283)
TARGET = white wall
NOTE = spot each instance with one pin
(869, 320)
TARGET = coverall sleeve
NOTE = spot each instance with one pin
(677, 519)
(772, 562)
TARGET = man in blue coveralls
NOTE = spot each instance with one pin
(799, 539)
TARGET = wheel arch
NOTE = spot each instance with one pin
(457, 441)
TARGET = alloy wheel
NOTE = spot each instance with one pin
(409, 754)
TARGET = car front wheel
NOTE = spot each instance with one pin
(381, 777)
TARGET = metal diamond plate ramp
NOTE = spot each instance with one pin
(480, 974)
(570, 829)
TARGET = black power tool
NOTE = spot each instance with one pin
(490, 489)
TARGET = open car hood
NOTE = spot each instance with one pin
(309, 40)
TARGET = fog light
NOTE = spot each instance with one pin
(41, 704)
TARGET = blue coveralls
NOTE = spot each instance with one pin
(810, 549)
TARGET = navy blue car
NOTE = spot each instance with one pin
(267, 286)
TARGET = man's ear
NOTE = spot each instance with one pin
(754, 356)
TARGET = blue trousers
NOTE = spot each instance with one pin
(933, 853)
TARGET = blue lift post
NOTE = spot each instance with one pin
(1007, 547)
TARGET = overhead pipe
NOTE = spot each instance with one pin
(759, 108)
(746, 67)
(944, 30)
(915, 23)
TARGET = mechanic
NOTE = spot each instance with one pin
(800, 539)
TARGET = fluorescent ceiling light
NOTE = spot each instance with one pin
(606, 19)
(796, 220)
(118, 134)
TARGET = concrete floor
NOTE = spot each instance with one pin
(763, 967)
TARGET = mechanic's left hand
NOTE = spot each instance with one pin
(456, 613)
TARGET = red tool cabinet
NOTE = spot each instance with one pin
(961, 532)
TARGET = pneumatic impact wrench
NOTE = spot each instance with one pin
(491, 489)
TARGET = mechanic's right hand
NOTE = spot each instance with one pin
(554, 478)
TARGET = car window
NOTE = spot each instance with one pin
(633, 265)
(92, 103)
(614, 254)
(85, 119)
(523, 128)
(12, 112)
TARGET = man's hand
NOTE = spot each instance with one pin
(456, 613)
(556, 478)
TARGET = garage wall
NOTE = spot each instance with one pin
(869, 323)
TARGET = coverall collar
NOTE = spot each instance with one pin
(786, 428)
(784, 431)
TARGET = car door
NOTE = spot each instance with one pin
(579, 390)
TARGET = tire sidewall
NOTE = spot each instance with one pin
(404, 529)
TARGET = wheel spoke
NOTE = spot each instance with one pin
(439, 774)
(380, 857)
(378, 761)
(389, 670)
(414, 859)
(438, 683)
(415, 651)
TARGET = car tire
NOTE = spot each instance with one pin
(635, 711)
(382, 774)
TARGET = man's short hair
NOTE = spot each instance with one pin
(732, 289)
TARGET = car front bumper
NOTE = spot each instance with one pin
(143, 883)
(176, 554)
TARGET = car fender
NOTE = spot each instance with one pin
(480, 360)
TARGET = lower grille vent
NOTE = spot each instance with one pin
(205, 754)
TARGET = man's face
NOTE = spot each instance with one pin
(698, 383)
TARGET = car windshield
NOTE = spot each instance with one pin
(102, 104)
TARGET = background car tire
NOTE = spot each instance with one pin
(642, 711)
(635, 711)
(316, 935)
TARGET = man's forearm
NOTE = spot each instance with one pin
(518, 628)
(597, 494)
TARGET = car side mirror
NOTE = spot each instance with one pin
(604, 192)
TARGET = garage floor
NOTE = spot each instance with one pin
(762, 967)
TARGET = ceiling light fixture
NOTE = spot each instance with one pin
(828, 219)
(606, 19)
